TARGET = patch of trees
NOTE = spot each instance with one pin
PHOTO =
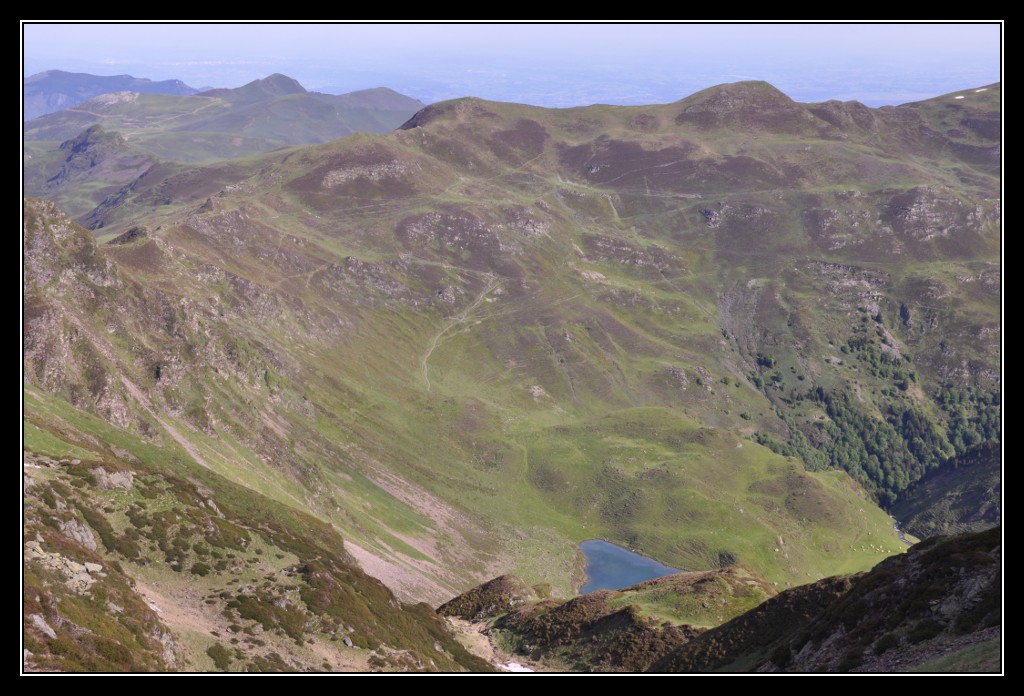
(796, 446)
(885, 456)
(880, 363)
(974, 416)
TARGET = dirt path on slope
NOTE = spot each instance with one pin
(460, 318)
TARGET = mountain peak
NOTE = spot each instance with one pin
(278, 84)
(40, 76)
(374, 98)
(752, 104)
(749, 94)
(471, 107)
(270, 87)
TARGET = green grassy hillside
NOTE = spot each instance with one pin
(137, 558)
(719, 331)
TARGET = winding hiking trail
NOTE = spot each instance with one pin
(458, 319)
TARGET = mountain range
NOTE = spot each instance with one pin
(731, 332)
(55, 90)
(80, 156)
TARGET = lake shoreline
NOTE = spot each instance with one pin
(613, 567)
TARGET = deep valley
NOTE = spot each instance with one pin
(286, 394)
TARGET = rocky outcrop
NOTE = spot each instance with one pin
(133, 234)
(79, 577)
(592, 634)
(95, 154)
(40, 623)
(493, 598)
(611, 630)
(76, 531)
(113, 479)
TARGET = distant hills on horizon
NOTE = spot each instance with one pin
(80, 155)
(54, 90)
(51, 91)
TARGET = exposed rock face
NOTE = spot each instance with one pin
(73, 529)
(79, 577)
(113, 479)
(96, 154)
(133, 234)
(40, 623)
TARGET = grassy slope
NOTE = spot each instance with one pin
(984, 658)
(492, 336)
(229, 566)
(698, 599)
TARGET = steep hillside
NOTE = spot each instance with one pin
(93, 158)
(81, 172)
(101, 180)
(962, 495)
(725, 330)
(266, 384)
(936, 608)
(139, 555)
(136, 559)
(940, 600)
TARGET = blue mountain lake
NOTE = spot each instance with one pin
(611, 567)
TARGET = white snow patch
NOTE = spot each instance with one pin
(959, 96)
(514, 667)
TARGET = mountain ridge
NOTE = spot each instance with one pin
(946, 585)
(229, 123)
(476, 341)
(53, 90)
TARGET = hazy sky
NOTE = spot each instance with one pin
(554, 65)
